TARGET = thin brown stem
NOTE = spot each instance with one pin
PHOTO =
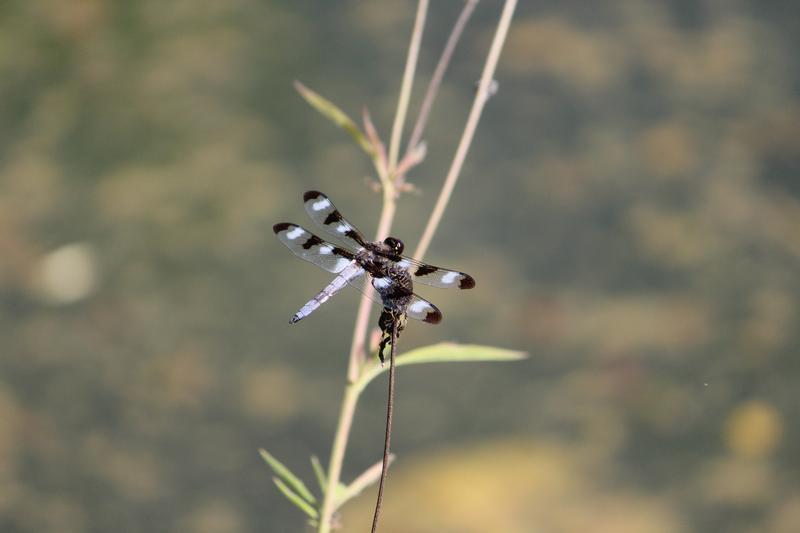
(388, 436)
(438, 74)
(469, 130)
(408, 82)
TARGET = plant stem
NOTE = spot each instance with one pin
(388, 435)
(405, 88)
(388, 178)
(469, 130)
(438, 74)
(351, 394)
(357, 352)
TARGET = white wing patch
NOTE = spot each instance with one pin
(325, 250)
(343, 228)
(381, 283)
(322, 204)
(295, 233)
(450, 277)
(419, 306)
(342, 263)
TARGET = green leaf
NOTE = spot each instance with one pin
(296, 499)
(445, 352)
(319, 472)
(336, 115)
(286, 475)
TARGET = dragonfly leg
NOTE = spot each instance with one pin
(386, 323)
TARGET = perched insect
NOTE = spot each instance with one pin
(381, 262)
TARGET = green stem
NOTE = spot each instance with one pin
(357, 378)
(349, 403)
(357, 351)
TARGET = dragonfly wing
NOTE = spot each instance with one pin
(436, 276)
(308, 246)
(322, 211)
(421, 309)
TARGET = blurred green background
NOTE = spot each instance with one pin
(630, 210)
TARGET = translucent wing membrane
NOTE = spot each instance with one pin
(435, 276)
(308, 246)
(323, 212)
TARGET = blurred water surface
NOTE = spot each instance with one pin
(630, 210)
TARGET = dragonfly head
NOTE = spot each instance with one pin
(395, 245)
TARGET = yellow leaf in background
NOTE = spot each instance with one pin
(753, 429)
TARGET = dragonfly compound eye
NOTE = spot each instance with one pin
(396, 245)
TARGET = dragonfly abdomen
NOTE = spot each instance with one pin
(350, 272)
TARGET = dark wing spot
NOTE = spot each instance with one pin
(311, 195)
(433, 317)
(354, 235)
(333, 216)
(312, 241)
(277, 228)
(467, 282)
(424, 270)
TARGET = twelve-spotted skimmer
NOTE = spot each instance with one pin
(392, 275)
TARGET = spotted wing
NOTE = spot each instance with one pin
(421, 309)
(308, 246)
(436, 276)
(417, 307)
(322, 211)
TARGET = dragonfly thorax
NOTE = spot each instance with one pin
(395, 286)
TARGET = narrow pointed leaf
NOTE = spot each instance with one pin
(286, 475)
(335, 115)
(367, 478)
(322, 479)
(296, 499)
(445, 352)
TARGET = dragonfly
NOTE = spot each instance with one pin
(359, 260)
